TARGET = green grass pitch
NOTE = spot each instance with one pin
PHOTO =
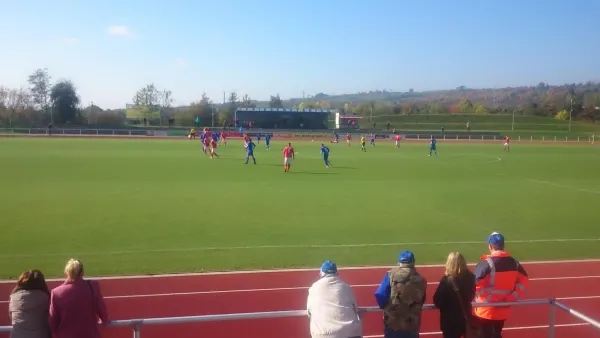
(161, 206)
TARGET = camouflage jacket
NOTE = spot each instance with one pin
(407, 296)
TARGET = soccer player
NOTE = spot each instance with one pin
(205, 143)
(246, 140)
(193, 134)
(397, 139)
(432, 146)
(258, 135)
(507, 144)
(213, 148)
(336, 137)
(348, 138)
(288, 155)
(362, 143)
(224, 138)
(325, 153)
(268, 141)
(250, 150)
(372, 139)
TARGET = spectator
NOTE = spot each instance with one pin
(401, 295)
(453, 297)
(28, 306)
(499, 278)
(331, 306)
(76, 305)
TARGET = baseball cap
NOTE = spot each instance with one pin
(406, 257)
(328, 267)
(496, 239)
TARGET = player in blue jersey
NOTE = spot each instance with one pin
(372, 139)
(432, 146)
(268, 141)
(250, 151)
(325, 153)
(336, 137)
(258, 135)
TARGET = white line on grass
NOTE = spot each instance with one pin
(295, 288)
(291, 246)
(514, 328)
(296, 270)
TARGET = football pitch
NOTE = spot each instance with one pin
(162, 206)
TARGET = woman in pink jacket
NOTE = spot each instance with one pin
(76, 305)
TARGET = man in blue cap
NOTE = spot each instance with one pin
(332, 307)
(401, 296)
(498, 278)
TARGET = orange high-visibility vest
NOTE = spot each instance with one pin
(499, 278)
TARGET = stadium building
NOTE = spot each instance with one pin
(283, 118)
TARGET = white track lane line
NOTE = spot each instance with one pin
(295, 288)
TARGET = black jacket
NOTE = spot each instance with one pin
(445, 299)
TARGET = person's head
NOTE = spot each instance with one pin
(74, 269)
(290, 144)
(31, 280)
(495, 242)
(406, 258)
(328, 268)
(322, 145)
(456, 264)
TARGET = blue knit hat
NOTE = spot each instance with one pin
(328, 267)
(406, 257)
(496, 239)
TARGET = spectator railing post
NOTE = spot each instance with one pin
(136, 331)
(552, 318)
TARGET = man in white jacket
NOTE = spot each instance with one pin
(332, 307)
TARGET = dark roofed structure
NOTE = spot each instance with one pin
(283, 118)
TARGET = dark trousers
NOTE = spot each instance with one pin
(491, 328)
(389, 333)
(453, 334)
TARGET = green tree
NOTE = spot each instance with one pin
(562, 115)
(40, 87)
(480, 109)
(465, 106)
(275, 102)
(65, 101)
(148, 96)
(247, 102)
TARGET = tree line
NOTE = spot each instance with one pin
(44, 101)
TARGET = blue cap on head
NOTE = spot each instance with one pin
(496, 239)
(406, 257)
(328, 267)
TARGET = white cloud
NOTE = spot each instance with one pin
(180, 62)
(122, 31)
(70, 41)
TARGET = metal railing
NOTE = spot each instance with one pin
(136, 324)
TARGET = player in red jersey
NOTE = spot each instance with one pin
(507, 143)
(288, 155)
(224, 138)
(246, 140)
(205, 143)
(213, 148)
(397, 139)
(348, 138)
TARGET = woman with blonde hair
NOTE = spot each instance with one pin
(76, 305)
(453, 298)
(28, 306)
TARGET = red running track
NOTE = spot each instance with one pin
(575, 283)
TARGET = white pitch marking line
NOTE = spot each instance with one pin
(291, 246)
(246, 272)
(295, 288)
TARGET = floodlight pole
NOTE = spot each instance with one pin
(513, 121)
(570, 114)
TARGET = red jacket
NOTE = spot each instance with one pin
(75, 307)
(498, 278)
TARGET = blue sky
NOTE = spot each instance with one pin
(111, 48)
